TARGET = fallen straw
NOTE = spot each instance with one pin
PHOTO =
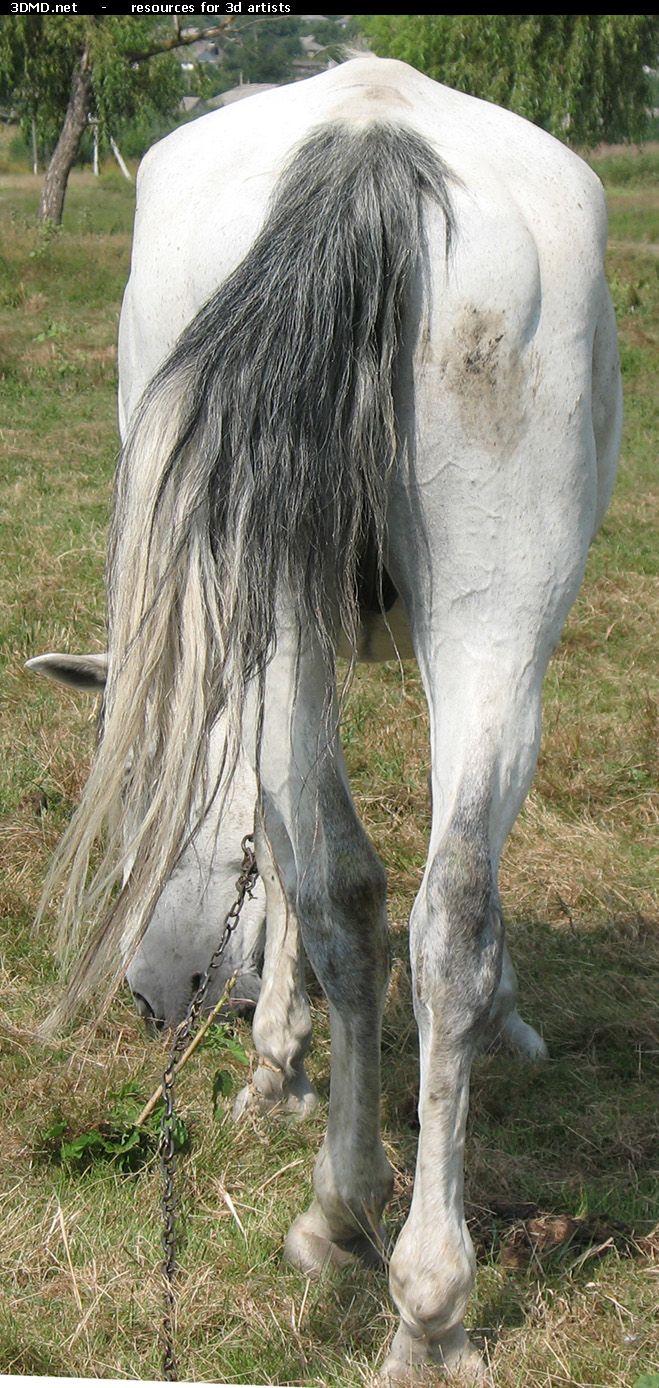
(157, 1094)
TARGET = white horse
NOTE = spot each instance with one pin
(368, 364)
(184, 929)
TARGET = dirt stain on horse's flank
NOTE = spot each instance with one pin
(483, 370)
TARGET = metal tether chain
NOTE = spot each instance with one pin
(244, 888)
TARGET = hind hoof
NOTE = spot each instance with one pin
(414, 1363)
(310, 1248)
(269, 1092)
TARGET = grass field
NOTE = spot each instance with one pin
(563, 1161)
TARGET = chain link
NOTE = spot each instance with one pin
(244, 888)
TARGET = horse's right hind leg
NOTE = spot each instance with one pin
(282, 1022)
(504, 1022)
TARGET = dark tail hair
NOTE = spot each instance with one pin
(259, 459)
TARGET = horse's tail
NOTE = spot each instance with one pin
(258, 461)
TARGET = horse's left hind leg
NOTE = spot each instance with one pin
(334, 878)
(341, 902)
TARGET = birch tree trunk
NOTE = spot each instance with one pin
(66, 149)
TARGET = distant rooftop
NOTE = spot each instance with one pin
(238, 93)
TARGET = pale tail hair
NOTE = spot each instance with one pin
(258, 461)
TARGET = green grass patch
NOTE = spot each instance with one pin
(633, 170)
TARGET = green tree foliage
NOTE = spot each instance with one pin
(253, 50)
(32, 89)
(58, 71)
(334, 32)
(263, 52)
(40, 53)
(583, 77)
